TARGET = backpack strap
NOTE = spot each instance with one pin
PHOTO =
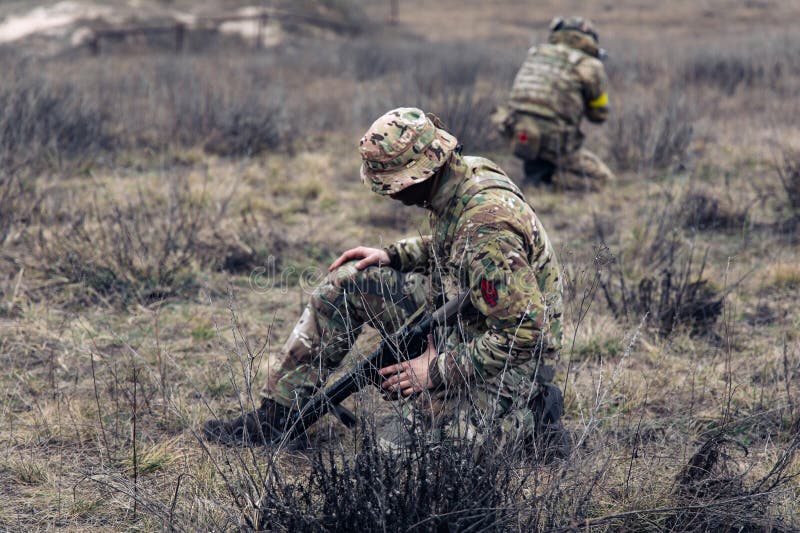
(483, 175)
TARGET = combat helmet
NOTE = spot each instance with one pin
(575, 32)
(403, 148)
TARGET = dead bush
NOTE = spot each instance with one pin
(758, 63)
(42, 121)
(121, 251)
(645, 135)
(247, 128)
(676, 296)
(17, 201)
(715, 494)
(712, 494)
(167, 101)
(244, 105)
(421, 488)
(789, 174)
(251, 241)
(660, 281)
(702, 210)
(786, 197)
(51, 117)
(460, 87)
(728, 72)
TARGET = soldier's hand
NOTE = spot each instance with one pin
(411, 376)
(368, 257)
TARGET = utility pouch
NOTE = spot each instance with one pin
(526, 139)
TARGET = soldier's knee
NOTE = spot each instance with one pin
(344, 276)
(605, 174)
(594, 168)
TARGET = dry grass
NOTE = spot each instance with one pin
(144, 277)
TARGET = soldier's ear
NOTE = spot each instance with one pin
(557, 23)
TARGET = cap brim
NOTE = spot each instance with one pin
(423, 167)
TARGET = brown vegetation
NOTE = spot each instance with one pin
(162, 217)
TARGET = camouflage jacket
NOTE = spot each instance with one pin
(562, 84)
(487, 238)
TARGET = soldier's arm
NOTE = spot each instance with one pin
(595, 89)
(410, 254)
(506, 291)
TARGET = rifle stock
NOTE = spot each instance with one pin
(407, 342)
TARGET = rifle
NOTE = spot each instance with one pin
(409, 341)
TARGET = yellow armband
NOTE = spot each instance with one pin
(600, 101)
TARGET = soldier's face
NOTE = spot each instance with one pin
(415, 195)
(403, 198)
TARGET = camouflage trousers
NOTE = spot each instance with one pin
(385, 299)
(538, 139)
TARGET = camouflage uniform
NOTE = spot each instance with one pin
(556, 86)
(485, 238)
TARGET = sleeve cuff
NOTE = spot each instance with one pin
(394, 257)
(435, 373)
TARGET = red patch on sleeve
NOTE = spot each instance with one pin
(488, 292)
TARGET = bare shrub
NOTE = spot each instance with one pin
(678, 295)
(252, 241)
(761, 63)
(460, 86)
(50, 117)
(420, 488)
(702, 210)
(246, 129)
(714, 492)
(248, 104)
(17, 201)
(142, 249)
(727, 73)
(661, 280)
(789, 174)
(44, 121)
(166, 101)
(643, 134)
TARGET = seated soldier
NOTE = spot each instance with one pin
(490, 371)
(556, 86)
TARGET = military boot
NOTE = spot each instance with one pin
(538, 172)
(261, 426)
(552, 440)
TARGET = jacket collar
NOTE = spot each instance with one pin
(457, 172)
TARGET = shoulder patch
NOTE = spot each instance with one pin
(488, 292)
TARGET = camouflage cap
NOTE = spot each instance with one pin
(403, 148)
(580, 24)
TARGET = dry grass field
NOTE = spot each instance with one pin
(163, 217)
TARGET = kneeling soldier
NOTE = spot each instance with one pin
(558, 84)
(492, 370)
